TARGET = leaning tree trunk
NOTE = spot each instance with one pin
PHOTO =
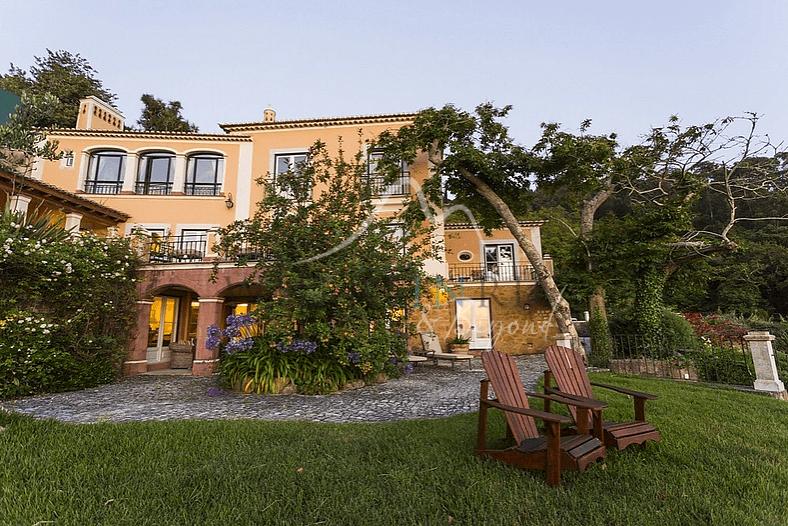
(596, 300)
(561, 310)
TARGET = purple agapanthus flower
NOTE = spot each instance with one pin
(303, 346)
(353, 357)
(214, 338)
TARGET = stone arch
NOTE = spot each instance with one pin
(200, 302)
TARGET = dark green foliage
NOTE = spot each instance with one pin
(21, 144)
(160, 116)
(68, 77)
(66, 306)
(601, 341)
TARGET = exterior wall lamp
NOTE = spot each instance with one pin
(229, 201)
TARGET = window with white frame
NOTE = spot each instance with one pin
(204, 174)
(155, 174)
(499, 262)
(383, 185)
(287, 166)
(105, 172)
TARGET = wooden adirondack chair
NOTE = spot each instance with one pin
(569, 371)
(551, 453)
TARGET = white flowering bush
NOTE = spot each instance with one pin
(29, 355)
(83, 286)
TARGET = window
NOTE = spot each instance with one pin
(499, 262)
(105, 172)
(155, 173)
(67, 161)
(204, 174)
(382, 185)
(285, 167)
(465, 256)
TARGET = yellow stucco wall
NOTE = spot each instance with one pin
(248, 155)
(522, 320)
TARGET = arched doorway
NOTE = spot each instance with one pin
(173, 318)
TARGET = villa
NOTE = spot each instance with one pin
(171, 191)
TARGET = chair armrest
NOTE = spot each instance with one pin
(541, 415)
(567, 399)
(636, 394)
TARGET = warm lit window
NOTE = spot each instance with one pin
(204, 174)
(105, 172)
(155, 173)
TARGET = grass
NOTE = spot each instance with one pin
(723, 459)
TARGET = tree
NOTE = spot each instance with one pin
(474, 158)
(160, 116)
(656, 185)
(337, 280)
(21, 143)
(68, 77)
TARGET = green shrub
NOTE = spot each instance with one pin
(82, 288)
(601, 340)
(269, 362)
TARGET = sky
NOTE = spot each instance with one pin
(627, 65)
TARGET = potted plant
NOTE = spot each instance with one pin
(459, 344)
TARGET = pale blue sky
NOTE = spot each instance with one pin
(628, 64)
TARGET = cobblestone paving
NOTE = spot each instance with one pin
(428, 392)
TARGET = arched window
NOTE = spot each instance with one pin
(155, 173)
(204, 174)
(105, 172)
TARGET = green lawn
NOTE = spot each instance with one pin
(723, 459)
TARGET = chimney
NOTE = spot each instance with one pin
(95, 114)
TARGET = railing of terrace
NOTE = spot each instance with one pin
(725, 361)
(177, 249)
(192, 249)
(491, 272)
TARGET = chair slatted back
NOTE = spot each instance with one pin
(508, 387)
(569, 372)
(430, 343)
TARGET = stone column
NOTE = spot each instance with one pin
(206, 360)
(137, 346)
(179, 175)
(73, 221)
(765, 367)
(563, 339)
(20, 203)
(130, 174)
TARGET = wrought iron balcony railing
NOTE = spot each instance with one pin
(178, 249)
(491, 272)
(382, 188)
(93, 186)
(149, 188)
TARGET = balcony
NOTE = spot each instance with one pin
(94, 186)
(151, 188)
(192, 249)
(382, 187)
(178, 249)
(491, 272)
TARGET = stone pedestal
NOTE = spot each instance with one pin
(563, 339)
(760, 343)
